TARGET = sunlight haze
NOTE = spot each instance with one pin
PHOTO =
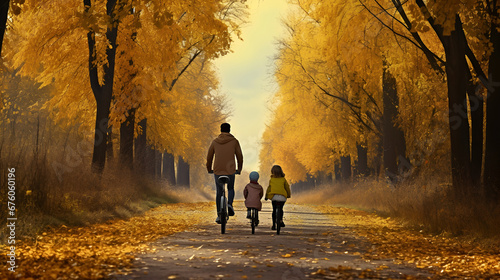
(245, 75)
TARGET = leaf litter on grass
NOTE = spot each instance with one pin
(97, 251)
(444, 256)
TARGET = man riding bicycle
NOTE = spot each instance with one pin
(225, 147)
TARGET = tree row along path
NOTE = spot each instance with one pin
(181, 241)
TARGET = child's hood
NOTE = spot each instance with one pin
(255, 186)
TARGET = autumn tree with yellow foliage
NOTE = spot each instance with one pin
(468, 35)
(374, 72)
(404, 79)
(84, 80)
(339, 78)
(137, 51)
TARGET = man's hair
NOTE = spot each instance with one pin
(225, 127)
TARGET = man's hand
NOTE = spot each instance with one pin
(238, 172)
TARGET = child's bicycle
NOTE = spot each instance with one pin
(223, 213)
(279, 216)
(253, 219)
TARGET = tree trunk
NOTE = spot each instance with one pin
(476, 114)
(492, 155)
(378, 160)
(362, 165)
(336, 171)
(345, 168)
(297, 187)
(394, 143)
(109, 148)
(327, 179)
(140, 147)
(169, 168)
(4, 12)
(100, 138)
(102, 93)
(127, 127)
(310, 182)
(150, 161)
(456, 74)
(158, 164)
(322, 178)
(127, 140)
(182, 172)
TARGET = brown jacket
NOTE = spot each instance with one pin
(253, 193)
(224, 147)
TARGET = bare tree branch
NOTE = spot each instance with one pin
(419, 44)
(307, 12)
(431, 56)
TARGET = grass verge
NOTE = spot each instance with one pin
(80, 197)
(424, 205)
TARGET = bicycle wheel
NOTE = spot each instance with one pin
(253, 220)
(223, 215)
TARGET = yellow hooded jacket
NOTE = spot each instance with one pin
(278, 186)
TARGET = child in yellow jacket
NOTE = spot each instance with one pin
(278, 191)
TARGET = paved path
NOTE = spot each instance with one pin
(301, 249)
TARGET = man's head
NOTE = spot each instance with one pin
(225, 127)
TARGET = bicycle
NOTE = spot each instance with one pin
(279, 216)
(253, 219)
(223, 213)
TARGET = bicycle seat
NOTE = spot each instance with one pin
(223, 179)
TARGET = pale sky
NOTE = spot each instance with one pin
(246, 76)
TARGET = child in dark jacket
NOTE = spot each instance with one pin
(253, 193)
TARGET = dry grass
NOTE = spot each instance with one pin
(423, 204)
(54, 183)
(80, 197)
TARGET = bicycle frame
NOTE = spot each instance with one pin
(253, 219)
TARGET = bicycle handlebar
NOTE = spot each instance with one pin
(236, 173)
